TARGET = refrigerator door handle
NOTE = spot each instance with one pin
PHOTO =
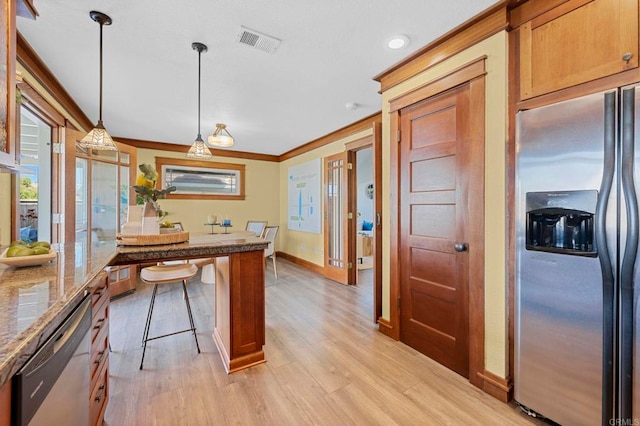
(630, 254)
(605, 258)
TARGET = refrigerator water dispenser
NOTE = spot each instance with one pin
(561, 222)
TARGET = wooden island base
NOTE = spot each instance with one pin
(239, 330)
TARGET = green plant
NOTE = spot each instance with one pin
(27, 190)
(146, 191)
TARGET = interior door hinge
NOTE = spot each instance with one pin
(350, 265)
(57, 218)
(58, 148)
(398, 303)
(349, 215)
(349, 166)
(398, 136)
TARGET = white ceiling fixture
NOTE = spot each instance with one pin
(258, 40)
(397, 42)
(221, 137)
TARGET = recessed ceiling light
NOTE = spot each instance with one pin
(398, 42)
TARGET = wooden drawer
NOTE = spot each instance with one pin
(99, 359)
(100, 321)
(99, 354)
(99, 289)
(99, 396)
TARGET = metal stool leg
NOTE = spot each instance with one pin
(148, 322)
(193, 326)
(145, 336)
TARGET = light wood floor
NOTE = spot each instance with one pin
(327, 365)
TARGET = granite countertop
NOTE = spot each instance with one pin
(199, 245)
(35, 300)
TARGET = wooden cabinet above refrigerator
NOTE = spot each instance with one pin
(574, 42)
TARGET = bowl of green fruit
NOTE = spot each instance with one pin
(21, 253)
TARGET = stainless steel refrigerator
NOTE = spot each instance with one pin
(576, 328)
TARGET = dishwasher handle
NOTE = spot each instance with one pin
(64, 335)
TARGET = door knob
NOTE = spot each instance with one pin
(460, 247)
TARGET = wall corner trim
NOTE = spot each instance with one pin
(496, 386)
(385, 327)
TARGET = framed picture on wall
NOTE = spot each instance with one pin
(303, 197)
(201, 179)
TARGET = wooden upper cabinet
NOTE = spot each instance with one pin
(5, 404)
(576, 42)
(8, 84)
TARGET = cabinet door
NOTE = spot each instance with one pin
(576, 42)
(5, 404)
(7, 81)
(122, 279)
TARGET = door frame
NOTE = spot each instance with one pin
(40, 107)
(474, 74)
(375, 142)
(352, 149)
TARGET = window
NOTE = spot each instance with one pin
(102, 195)
(34, 210)
(201, 179)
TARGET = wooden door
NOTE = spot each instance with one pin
(434, 308)
(336, 262)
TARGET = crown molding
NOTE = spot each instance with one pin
(30, 60)
(358, 126)
(165, 146)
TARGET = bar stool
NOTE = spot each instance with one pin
(164, 274)
(208, 272)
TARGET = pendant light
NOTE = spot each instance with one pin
(98, 138)
(218, 138)
(199, 149)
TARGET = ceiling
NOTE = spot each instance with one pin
(271, 103)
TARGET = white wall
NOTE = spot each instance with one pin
(305, 245)
(261, 196)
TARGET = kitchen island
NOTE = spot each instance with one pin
(56, 289)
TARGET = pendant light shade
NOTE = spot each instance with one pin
(98, 138)
(221, 137)
(199, 149)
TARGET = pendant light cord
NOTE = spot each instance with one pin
(199, 55)
(100, 112)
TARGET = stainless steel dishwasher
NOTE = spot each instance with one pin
(52, 388)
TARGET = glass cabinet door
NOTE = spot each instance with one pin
(82, 200)
(104, 201)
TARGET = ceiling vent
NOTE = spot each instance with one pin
(257, 40)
